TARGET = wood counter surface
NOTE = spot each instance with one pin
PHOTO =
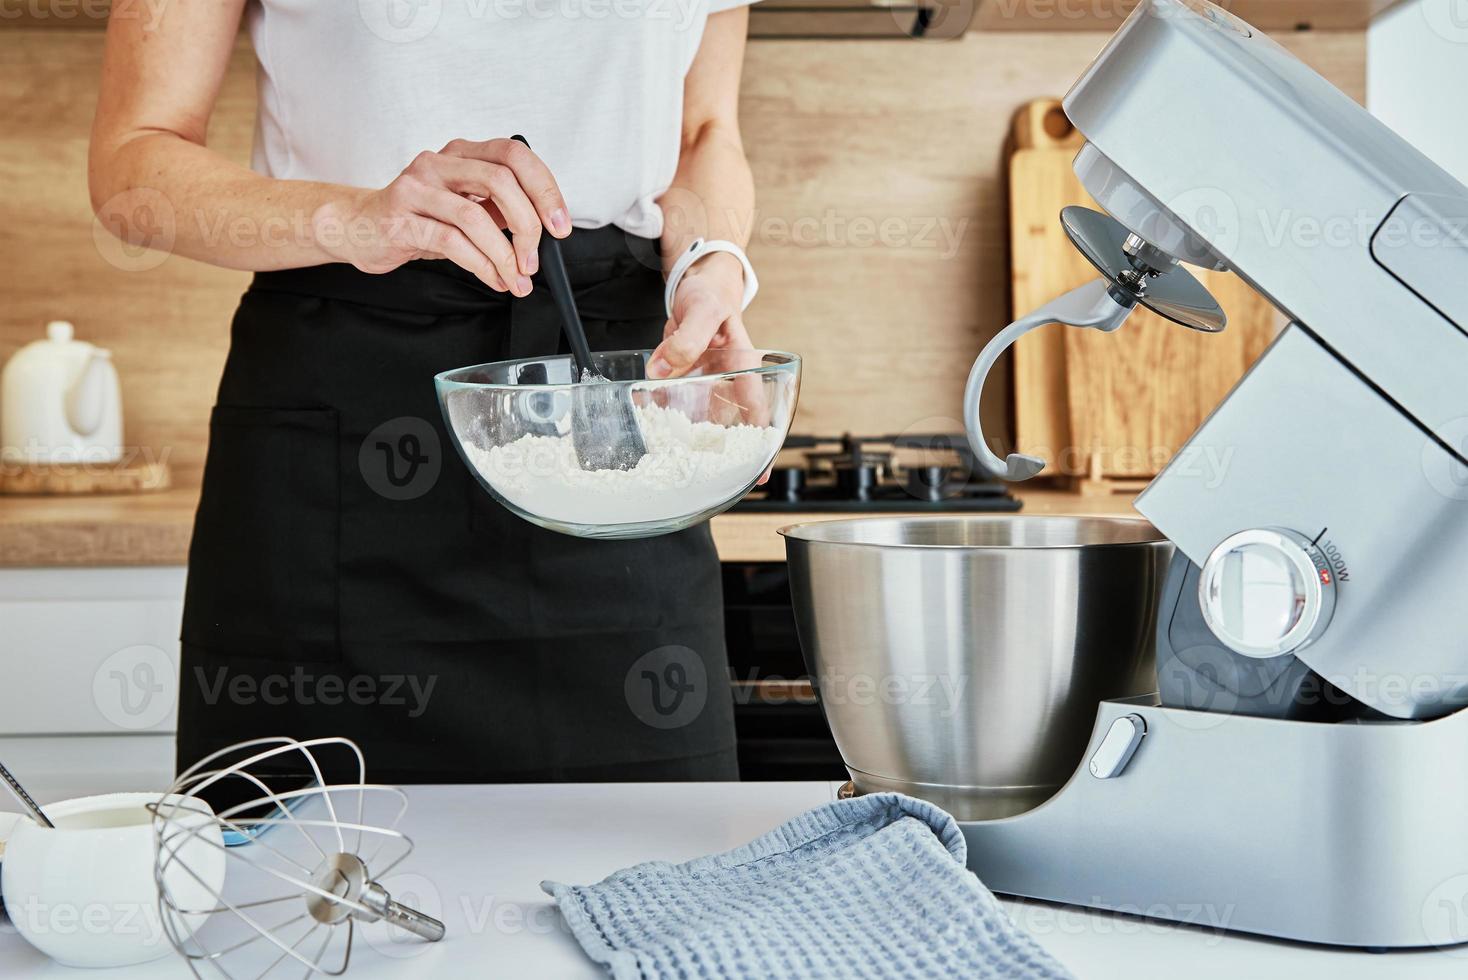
(154, 528)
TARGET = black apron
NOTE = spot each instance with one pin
(348, 576)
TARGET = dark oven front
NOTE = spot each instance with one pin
(782, 733)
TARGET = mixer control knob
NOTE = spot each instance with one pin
(1267, 592)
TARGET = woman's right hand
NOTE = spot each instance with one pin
(452, 205)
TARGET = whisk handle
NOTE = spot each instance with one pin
(553, 270)
(376, 898)
(420, 925)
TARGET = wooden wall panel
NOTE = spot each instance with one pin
(168, 325)
(880, 237)
(911, 133)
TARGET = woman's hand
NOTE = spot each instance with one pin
(452, 205)
(706, 314)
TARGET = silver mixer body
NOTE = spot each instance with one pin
(1213, 142)
(1349, 834)
(1305, 773)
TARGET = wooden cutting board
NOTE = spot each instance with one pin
(1107, 410)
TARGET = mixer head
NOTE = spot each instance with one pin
(1140, 271)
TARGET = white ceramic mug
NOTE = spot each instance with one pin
(84, 893)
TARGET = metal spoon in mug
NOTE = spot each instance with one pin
(25, 798)
(604, 427)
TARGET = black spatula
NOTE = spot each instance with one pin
(604, 426)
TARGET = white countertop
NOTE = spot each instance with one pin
(483, 851)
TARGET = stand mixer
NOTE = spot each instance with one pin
(1303, 770)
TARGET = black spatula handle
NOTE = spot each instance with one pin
(553, 265)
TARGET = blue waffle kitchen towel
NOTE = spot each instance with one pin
(871, 887)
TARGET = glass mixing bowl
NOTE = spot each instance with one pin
(709, 435)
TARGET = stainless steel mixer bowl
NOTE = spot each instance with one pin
(961, 659)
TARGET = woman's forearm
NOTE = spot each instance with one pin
(153, 180)
(161, 190)
(712, 194)
(711, 197)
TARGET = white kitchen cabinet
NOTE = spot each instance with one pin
(89, 651)
(63, 767)
(89, 678)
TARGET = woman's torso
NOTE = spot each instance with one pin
(340, 541)
(351, 91)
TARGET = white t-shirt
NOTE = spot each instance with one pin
(352, 90)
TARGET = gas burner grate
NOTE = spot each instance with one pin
(894, 473)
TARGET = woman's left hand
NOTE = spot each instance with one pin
(706, 314)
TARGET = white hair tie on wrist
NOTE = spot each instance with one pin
(698, 250)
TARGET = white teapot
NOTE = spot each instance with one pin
(60, 402)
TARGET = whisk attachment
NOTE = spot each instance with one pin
(345, 890)
(305, 859)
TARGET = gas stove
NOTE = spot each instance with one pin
(878, 473)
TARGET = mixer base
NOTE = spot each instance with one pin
(1348, 834)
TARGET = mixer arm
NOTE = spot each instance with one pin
(1097, 305)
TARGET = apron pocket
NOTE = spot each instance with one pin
(262, 578)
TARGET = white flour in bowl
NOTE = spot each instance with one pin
(689, 467)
